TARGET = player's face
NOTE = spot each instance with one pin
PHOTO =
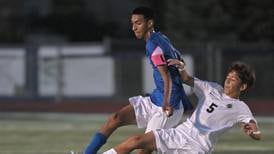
(232, 85)
(140, 26)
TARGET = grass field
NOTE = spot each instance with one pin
(51, 133)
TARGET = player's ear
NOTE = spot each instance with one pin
(150, 23)
(243, 87)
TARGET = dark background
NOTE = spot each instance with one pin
(245, 21)
(213, 32)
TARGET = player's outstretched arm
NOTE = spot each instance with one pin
(187, 79)
(251, 130)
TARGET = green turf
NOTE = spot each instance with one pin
(36, 133)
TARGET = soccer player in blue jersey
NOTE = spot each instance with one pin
(167, 102)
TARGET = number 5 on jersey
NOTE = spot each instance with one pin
(211, 108)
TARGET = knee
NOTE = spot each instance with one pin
(137, 142)
(115, 119)
(128, 145)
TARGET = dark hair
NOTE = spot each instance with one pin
(147, 12)
(245, 73)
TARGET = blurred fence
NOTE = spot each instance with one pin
(211, 63)
(115, 69)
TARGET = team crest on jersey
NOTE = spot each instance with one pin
(229, 106)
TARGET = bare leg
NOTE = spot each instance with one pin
(125, 116)
(144, 151)
(145, 141)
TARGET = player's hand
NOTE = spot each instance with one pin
(168, 110)
(251, 130)
(177, 63)
(248, 128)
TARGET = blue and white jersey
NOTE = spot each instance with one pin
(158, 51)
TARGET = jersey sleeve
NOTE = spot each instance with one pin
(244, 114)
(200, 87)
(203, 87)
(157, 57)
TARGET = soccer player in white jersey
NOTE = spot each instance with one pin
(218, 109)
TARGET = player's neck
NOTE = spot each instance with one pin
(148, 34)
(233, 95)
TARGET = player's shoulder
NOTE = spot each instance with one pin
(213, 85)
(159, 38)
(216, 85)
(156, 35)
(242, 106)
(150, 46)
(154, 41)
(154, 38)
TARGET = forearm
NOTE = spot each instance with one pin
(167, 90)
(186, 78)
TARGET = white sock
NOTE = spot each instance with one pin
(111, 151)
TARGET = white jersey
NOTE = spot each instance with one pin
(214, 114)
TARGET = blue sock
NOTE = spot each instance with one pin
(96, 143)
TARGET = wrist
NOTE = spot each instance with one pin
(256, 132)
(256, 135)
(182, 67)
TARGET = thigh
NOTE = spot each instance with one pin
(189, 148)
(160, 120)
(142, 110)
(175, 141)
(144, 141)
(148, 141)
(127, 115)
(157, 120)
(175, 119)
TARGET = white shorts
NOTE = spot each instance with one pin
(175, 141)
(151, 116)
